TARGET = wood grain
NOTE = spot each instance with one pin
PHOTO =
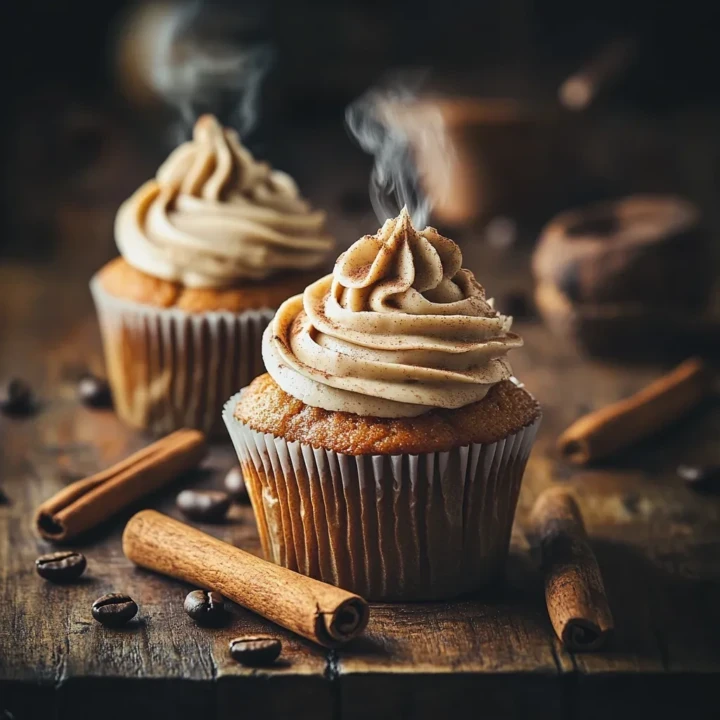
(494, 656)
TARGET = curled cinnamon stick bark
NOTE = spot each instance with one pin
(616, 426)
(86, 503)
(320, 612)
(580, 90)
(574, 590)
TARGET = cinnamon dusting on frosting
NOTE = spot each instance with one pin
(398, 329)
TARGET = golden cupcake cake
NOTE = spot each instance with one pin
(209, 249)
(385, 447)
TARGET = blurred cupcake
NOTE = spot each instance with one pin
(385, 449)
(209, 248)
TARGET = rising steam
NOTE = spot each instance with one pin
(198, 72)
(395, 125)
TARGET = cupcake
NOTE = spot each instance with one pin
(384, 449)
(209, 249)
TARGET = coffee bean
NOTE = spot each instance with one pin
(631, 503)
(16, 398)
(206, 608)
(114, 610)
(255, 650)
(204, 505)
(4, 499)
(235, 485)
(703, 478)
(62, 566)
(94, 392)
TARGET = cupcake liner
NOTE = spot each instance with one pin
(388, 527)
(169, 368)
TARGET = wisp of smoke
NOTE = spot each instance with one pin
(198, 74)
(388, 124)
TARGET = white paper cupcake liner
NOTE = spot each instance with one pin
(169, 368)
(388, 527)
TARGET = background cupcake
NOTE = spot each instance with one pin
(208, 249)
(385, 449)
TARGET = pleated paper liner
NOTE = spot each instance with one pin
(169, 368)
(388, 527)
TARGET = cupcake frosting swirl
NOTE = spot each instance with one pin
(398, 329)
(213, 216)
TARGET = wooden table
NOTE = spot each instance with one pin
(493, 656)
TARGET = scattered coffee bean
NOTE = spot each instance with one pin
(62, 566)
(516, 304)
(631, 503)
(703, 478)
(206, 608)
(16, 398)
(114, 610)
(94, 392)
(204, 505)
(255, 650)
(4, 499)
(235, 485)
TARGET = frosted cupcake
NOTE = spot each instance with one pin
(384, 450)
(209, 249)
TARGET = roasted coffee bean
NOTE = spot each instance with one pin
(703, 478)
(4, 499)
(206, 607)
(114, 610)
(235, 485)
(204, 505)
(94, 392)
(62, 566)
(631, 503)
(16, 398)
(255, 650)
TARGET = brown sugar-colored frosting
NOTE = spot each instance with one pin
(213, 215)
(398, 329)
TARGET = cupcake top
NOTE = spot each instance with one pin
(397, 330)
(214, 216)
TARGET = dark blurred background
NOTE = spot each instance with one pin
(90, 108)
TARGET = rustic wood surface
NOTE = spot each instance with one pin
(494, 656)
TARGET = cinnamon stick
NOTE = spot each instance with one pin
(320, 612)
(84, 504)
(581, 89)
(574, 591)
(616, 426)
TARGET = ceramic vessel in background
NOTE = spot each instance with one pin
(494, 157)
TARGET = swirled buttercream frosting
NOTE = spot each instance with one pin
(214, 216)
(398, 329)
